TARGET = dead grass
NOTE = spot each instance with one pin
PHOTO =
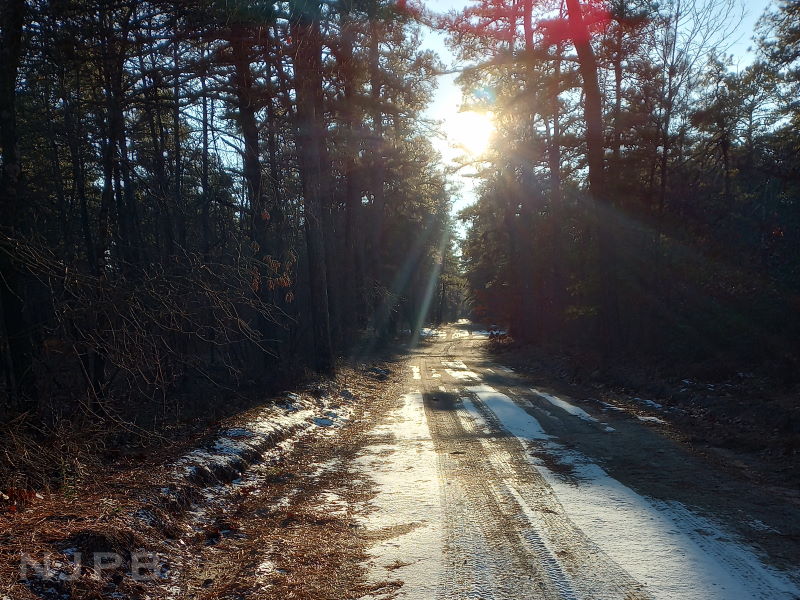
(313, 554)
(89, 522)
(317, 554)
(59, 456)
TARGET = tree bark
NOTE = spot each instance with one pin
(308, 76)
(176, 137)
(76, 137)
(377, 142)
(12, 288)
(354, 273)
(205, 185)
(605, 223)
(592, 108)
(246, 103)
(617, 137)
(554, 147)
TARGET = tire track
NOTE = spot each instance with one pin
(491, 479)
(487, 555)
(595, 574)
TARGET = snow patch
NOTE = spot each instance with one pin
(334, 505)
(407, 514)
(607, 406)
(455, 364)
(477, 418)
(565, 406)
(465, 375)
(513, 417)
(671, 550)
(458, 370)
(484, 333)
(323, 468)
(761, 526)
(651, 420)
(663, 545)
(426, 332)
(649, 403)
(207, 477)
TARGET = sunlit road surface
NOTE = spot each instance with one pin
(487, 491)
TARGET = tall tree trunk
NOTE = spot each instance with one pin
(377, 145)
(308, 75)
(527, 24)
(332, 263)
(554, 147)
(152, 112)
(276, 206)
(64, 205)
(592, 107)
(605, 225)
(75, 138)
(668, 96)
(353, 187)
(725, 147)
(114, 47)
(114, 144)
(247, 105)
(666, 147)
(354, 271)
(12, 292)
(176, 140)
(205, 214)
(617, 136)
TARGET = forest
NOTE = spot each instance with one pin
(208, 195)
(213, 197)
(639, 202)
(380, 299)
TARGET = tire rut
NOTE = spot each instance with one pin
(494, 492)
(485, 549)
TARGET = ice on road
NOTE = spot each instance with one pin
(477, 500)
(405, 518)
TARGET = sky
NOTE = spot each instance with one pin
(447, 98)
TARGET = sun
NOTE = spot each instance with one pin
(470, 131)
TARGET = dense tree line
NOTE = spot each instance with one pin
(218, 192)
(641, 195)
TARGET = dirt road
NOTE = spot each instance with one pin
(494, 488)
(435, 475)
